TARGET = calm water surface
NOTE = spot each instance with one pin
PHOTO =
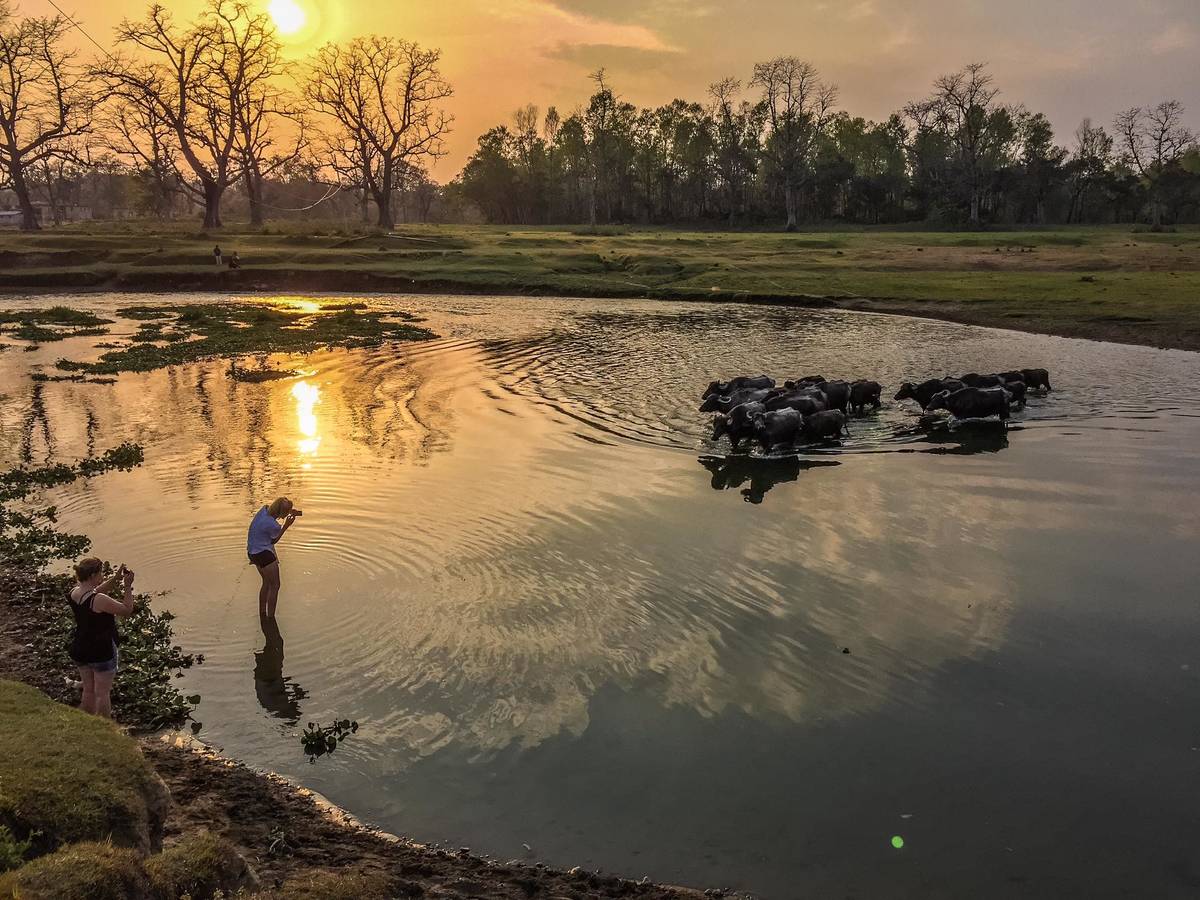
(564, 620)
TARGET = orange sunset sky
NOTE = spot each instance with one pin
(1067, 58)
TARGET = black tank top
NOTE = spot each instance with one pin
(95, 632)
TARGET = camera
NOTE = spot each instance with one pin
(297, 513)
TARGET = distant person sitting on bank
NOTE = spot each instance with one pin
(235, 261)
(94, 644)
(217, 254)
(265, 532)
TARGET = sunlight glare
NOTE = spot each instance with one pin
(287, 16)
(307, 396)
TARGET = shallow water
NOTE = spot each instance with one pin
(563, 619)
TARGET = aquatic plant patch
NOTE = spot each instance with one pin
(57, 323)
(204, 331)
(321, 739)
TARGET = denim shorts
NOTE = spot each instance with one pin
(109, 665)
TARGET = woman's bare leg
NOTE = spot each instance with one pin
(268, 596)
(87, 702)
(104, 681)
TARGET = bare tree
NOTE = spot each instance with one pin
(735, 130)
(138, 136)
(44, 102)
(1152, 140)
(270, 129)
(797, 107)
(196, 81)
(1087, 166)
(380, 96)
(963, 108)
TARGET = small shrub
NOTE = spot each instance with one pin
(12, 851)
(198, 866)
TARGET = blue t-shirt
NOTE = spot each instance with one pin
(263, 532)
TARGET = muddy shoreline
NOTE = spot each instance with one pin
(284, 831)
(984, 313)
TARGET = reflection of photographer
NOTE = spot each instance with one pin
(277, 693)
(265, 533)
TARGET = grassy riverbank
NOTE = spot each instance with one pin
(1105, 283)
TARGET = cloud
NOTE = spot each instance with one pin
(1174, 38)
(562, 25)
(592, 56)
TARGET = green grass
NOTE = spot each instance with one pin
(1110, 282)
(198, 865)
(85, 871)
(66, 776)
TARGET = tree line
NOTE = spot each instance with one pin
(183, 118)
(778, 148)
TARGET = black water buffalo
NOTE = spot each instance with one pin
(778, 430)
(805, 402)
(738, 423)
(924, 391)
(725, 402)
(1037, 378)
(837, 395)
(824, 426)
(864, 392)
(975, 380)
(806, 380)
(1013, 375)
(973, 403)
(1017, 391)
(741, 383)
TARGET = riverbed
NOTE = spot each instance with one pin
(572, 629)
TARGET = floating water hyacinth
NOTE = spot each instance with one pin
(321, 739)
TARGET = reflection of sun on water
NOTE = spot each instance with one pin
(308, 306)
(307, 396)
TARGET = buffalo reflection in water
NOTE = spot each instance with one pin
(762, 473)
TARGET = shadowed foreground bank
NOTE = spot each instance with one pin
(1112, 284)
(97, 815)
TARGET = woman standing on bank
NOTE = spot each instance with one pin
(94, 645)
(265, 532)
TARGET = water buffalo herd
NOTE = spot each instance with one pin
(813, 410)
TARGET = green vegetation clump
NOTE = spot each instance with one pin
(30, 325)
(28, 539)
(198, 866)
(321, 739)
(12, 850)
(85, 871)
(67, 776)
(203, 331)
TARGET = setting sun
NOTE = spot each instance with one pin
(287, 16)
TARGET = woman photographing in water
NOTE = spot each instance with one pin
(94, 645)
(265, 532)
